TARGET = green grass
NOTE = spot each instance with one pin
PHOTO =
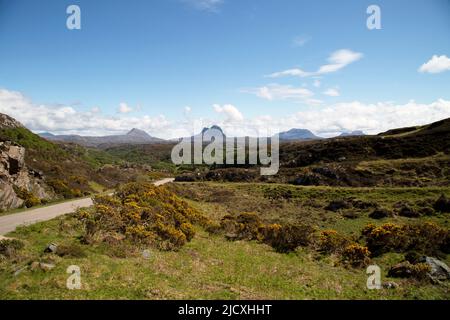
(210, 267)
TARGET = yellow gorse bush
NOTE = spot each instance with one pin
(143, 213)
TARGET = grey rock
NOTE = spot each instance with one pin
(439, 270)
(390, 285)
(51, 248)
(15, 174)
(46, 266)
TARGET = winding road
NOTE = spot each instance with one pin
(10, 222)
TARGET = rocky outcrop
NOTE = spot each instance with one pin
(6, 122)
(14, 175)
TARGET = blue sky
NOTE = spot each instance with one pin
(172, 61)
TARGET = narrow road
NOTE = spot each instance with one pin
(10, 222)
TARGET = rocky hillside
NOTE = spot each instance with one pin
(34, 170)
(19, 185)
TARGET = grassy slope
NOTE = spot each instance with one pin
(71, 170)
(210, 267)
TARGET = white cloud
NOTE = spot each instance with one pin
(331, 120)
(370, 118)
(296, 72)
(281, 92)
(66, 120)
(332, 92)
(436, 65)
(337, 60)
(205, 5)
(324, 120)
(124, 108)
(231, 112)
(317, 83)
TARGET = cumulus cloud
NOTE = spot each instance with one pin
(296, 72)
(337, 60)
(331, 92)
(205, 5)
(124, 108)
(331, 120)
(62, 119)
(231, 112)
(324, 120)
(370, 118)
(436, 64)
(281, 92)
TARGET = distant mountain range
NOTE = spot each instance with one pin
(135, 136)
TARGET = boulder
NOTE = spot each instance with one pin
(51, 248)
(439, 270)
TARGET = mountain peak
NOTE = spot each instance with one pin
(298, 134)
(214, 127)
(138, 133)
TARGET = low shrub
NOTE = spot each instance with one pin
(330, 241)
(406, 269)
(30, 200)
(245, 226)
(426, 238)
(356, 255)
(442, 204)
(380, 213)
(287, 238)
(278, 193)
(337, 205)
(142, 213)
(70, 251)
(10, 247)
